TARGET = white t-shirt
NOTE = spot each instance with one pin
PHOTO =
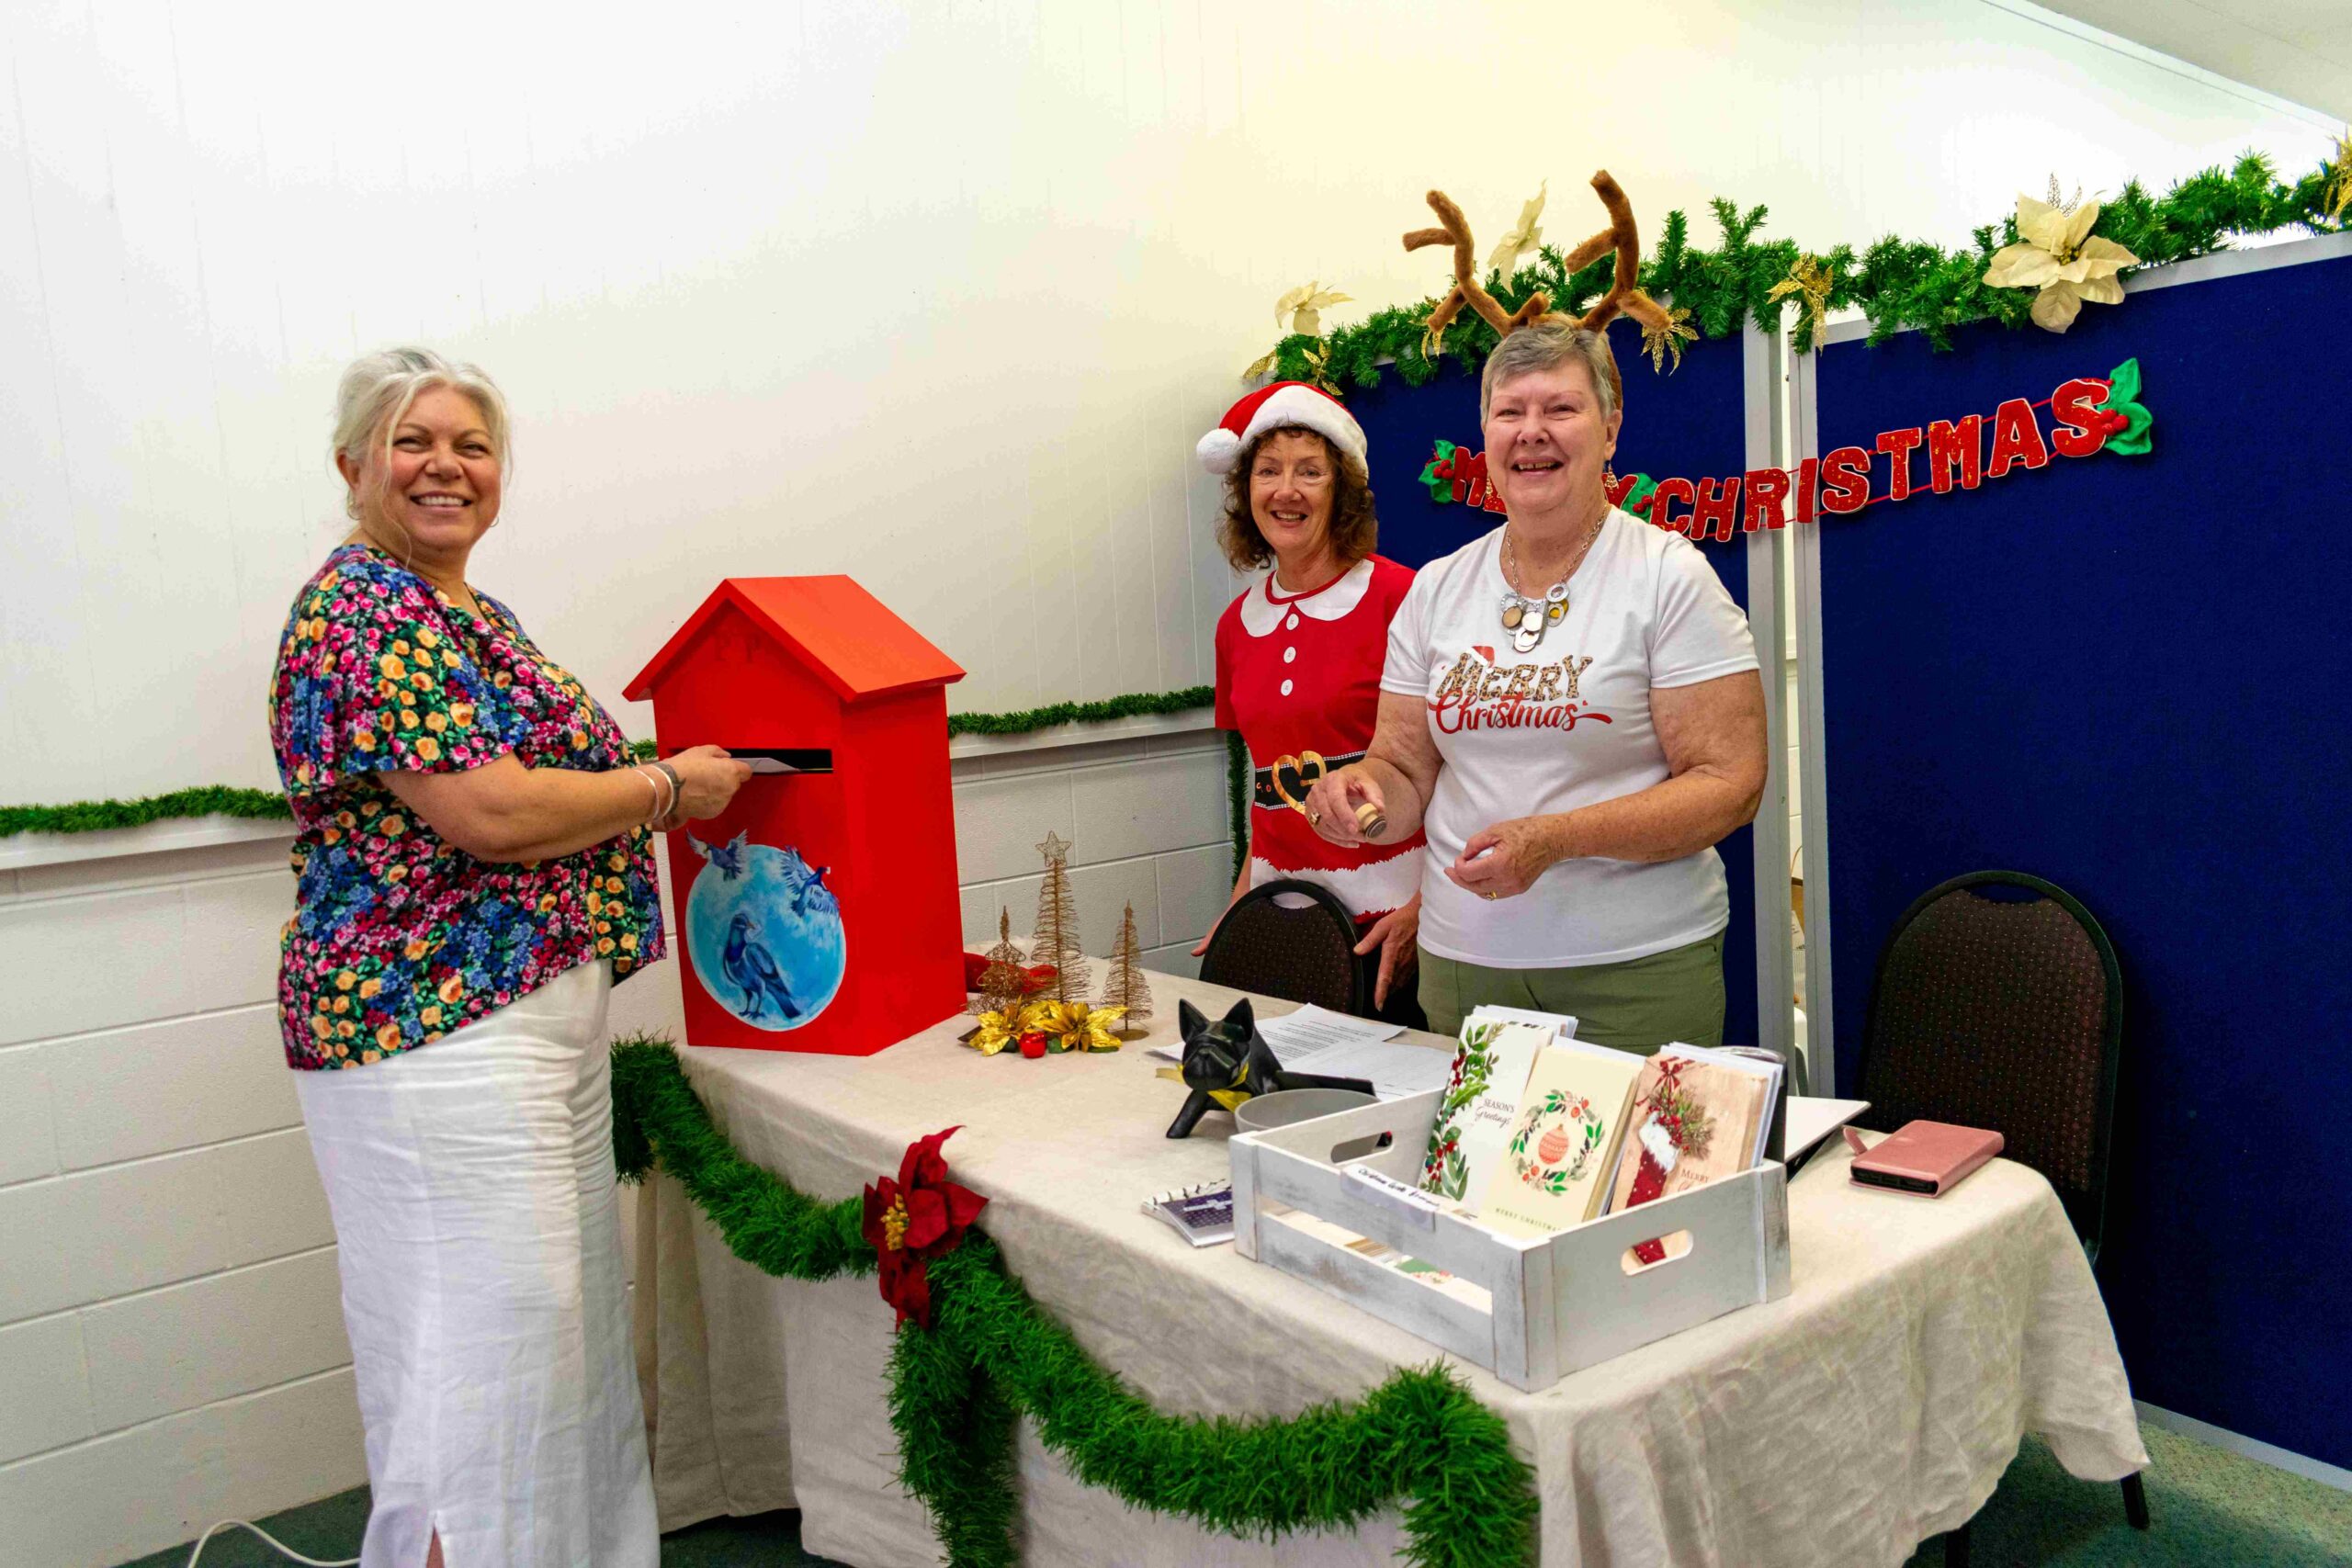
(1564, 726)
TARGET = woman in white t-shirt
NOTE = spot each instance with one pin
(1571, 711)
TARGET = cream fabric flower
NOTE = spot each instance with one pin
(2059, 256)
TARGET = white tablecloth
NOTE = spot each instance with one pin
(1877, 1405)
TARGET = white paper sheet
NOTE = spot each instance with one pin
(1317, 1040)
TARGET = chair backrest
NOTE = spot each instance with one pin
(1998, 1003)
(1304, 952)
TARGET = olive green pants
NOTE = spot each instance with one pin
(1637, 1005)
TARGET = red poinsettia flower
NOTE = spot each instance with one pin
(915, 1219)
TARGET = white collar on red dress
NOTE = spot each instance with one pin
(1261, 615)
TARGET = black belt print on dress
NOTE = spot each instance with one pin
(1287, 782)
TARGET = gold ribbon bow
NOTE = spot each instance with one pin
(1232, 1098)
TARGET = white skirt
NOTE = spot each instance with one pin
(475, 1211)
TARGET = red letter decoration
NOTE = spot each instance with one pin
(1716, 510)
(2017, 438)
(1667, 491)
(2080, 431)
(1962, 444)
(1808, 487)
(1897, 445)
(1846, 479)
(1766, 488)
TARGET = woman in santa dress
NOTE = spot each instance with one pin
(1299, 657)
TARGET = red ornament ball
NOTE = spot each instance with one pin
(1033, 1046)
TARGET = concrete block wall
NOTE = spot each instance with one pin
(172, 1349)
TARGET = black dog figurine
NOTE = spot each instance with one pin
(1228, 1061)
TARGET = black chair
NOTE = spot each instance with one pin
(1998, 1003)
(1278, 946)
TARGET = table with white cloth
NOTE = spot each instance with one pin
(1876, 1404)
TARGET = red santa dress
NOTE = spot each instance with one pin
(1299, 676)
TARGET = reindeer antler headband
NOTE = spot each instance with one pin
(1624, 294)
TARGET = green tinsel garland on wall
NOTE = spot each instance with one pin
(993, 1355)
(221, 800)
(1896, 283)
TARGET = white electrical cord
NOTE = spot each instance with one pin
(283, 1550)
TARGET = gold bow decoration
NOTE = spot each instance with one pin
(1230, 1098)
(1667, 336)
(1303, 307)
(2059, 256)
(1076, 1026)
(1811, 282)
(996, 1030)
(1300, 765)
(1522, 239)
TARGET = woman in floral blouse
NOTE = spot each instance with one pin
(474, 873)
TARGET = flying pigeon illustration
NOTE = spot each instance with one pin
(749, 963)
(807, 884)
(727, 857)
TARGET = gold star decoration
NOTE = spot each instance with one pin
(1659, 340)
(1318, 360)
(1056, 848)
(1811, 282)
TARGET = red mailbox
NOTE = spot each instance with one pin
(820, 913)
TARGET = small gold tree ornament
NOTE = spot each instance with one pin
(1001, 982)
(1125, 986)
(1055, 939)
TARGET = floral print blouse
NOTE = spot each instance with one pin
(398, 937)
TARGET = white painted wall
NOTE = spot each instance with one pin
(938, 293)
(172, 1348)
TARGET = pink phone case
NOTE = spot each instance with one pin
(1926, 1157)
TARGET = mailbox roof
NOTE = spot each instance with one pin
(842, 634)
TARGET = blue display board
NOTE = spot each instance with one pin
(2120, 673)
(1692, 423)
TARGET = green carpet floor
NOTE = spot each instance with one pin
(2210, 1510)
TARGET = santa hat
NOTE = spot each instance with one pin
(1282, 405)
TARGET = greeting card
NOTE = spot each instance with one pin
(1564, 1141)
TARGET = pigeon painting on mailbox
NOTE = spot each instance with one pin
(764, 934)
(820, 913)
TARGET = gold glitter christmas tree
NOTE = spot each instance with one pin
(1001, 981)
(1125, 987)
(1053, 940)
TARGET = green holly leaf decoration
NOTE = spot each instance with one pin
(1637, 498)
(1441, 489)
(2122, 394)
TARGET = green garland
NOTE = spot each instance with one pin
(1896, 283)
(221, 800)
(1080, 713)
(993, 1355)
(1241, 790)
(97, 816)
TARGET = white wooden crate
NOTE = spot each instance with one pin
(1558, 1303)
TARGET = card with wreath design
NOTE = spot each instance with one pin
(1564, 1140)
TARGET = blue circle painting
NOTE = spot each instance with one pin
(764, 934)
